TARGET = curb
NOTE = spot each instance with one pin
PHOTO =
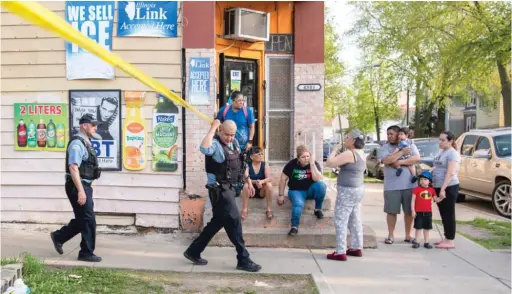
(321, 284)
(11, 273)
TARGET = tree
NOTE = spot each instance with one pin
(334, 70)
(373, 99)
(440, 49)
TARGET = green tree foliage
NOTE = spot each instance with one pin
(441, 49)
(334, 70)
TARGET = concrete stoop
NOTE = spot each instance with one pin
(258, 231)
(10, 273)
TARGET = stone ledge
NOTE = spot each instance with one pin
(10, 273)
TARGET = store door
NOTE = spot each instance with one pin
(240, 75)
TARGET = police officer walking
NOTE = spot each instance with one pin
(225, 168)
(81, 169)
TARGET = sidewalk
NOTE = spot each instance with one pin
(393, 268)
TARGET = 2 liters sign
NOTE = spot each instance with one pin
(309, 87)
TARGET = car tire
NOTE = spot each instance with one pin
(461, 198)
(369, 174)
(498, 195)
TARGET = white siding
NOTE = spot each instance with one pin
(33, 69)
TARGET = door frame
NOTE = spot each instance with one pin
(267, 101)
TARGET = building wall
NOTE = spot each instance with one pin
(33, 69)
(488, 117)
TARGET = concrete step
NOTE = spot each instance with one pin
(316, 238)
(261, 204)
(10, 273)
(282, 219)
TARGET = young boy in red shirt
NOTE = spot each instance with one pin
(422, 197)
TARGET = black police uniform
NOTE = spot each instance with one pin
(85, 220)
(229, 175)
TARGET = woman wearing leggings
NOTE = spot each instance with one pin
(347, 215)
(446, 184)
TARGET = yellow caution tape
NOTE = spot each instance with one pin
(41, 16)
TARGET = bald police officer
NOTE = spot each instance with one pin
(81, 170)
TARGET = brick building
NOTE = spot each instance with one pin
(282, 79)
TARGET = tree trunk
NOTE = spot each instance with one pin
(441, 119)
(505, 92)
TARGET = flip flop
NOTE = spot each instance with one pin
(388, 241)
(270, 214)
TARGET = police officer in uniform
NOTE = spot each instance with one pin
(81, 169)
(226, 168)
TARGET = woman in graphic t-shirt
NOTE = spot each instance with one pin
(446, 184)
(304, 176)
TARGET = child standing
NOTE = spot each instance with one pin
(421, 206)
(403, 135)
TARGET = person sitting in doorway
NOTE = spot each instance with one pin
(260, 179)
(304, 176)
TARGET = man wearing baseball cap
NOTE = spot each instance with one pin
(81, 170)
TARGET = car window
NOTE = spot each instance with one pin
(502, 145)
(428, 149)
(483, 144)
(468, 145)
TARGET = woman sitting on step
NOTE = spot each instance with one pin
(350, 183)
(259, 177)
(304, 176)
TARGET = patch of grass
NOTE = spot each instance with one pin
(44, 279)
(10, 260)
(369, 180)
(329, 174)
(500, 229)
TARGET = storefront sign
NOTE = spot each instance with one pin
(94, 19)
(147, 19)
(279, 43)
(309, 87)
(104, 105)
(40, 126)
(199, 81)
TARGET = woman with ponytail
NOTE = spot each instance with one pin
(446, 184)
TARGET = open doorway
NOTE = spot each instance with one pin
(239, 74)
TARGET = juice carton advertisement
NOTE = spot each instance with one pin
(134, 132)
(165, 136)
(40, 126)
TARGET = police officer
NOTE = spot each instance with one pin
(81, 169)
(225, 168)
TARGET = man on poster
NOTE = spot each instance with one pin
(81, 170)
(226, 168)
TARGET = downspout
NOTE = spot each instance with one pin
(183, 110)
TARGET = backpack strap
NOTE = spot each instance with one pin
(245, 113)
(226, 109)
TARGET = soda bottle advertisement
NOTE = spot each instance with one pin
(165, 136)
(40, 126)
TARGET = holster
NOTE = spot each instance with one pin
(214, 193)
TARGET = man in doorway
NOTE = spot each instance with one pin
(225, 169)
(397, 189)
(242, 116)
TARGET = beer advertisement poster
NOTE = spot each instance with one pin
(94, 19)
(40, 126)
(147, 19)
(105, 106)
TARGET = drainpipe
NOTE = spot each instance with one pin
(183, 110)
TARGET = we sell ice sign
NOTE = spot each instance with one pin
(147, 19)
(94, 19)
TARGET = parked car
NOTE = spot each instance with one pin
(427, 147)
(327, 150)
(485, 167)
(369, 147)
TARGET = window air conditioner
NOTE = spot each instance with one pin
(246, 24)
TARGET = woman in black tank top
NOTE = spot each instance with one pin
(259, 177)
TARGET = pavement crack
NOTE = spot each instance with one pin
(316, 261)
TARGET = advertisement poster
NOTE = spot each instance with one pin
(165, 136)
(134, 131)
(199, 85)
(105, 106)
(40, 126)
(147, 19)
(94, 19)
(236, 79)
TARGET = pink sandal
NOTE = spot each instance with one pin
(445, 246)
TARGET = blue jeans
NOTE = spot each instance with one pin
(298, 197)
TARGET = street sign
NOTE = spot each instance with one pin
(309, 87)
